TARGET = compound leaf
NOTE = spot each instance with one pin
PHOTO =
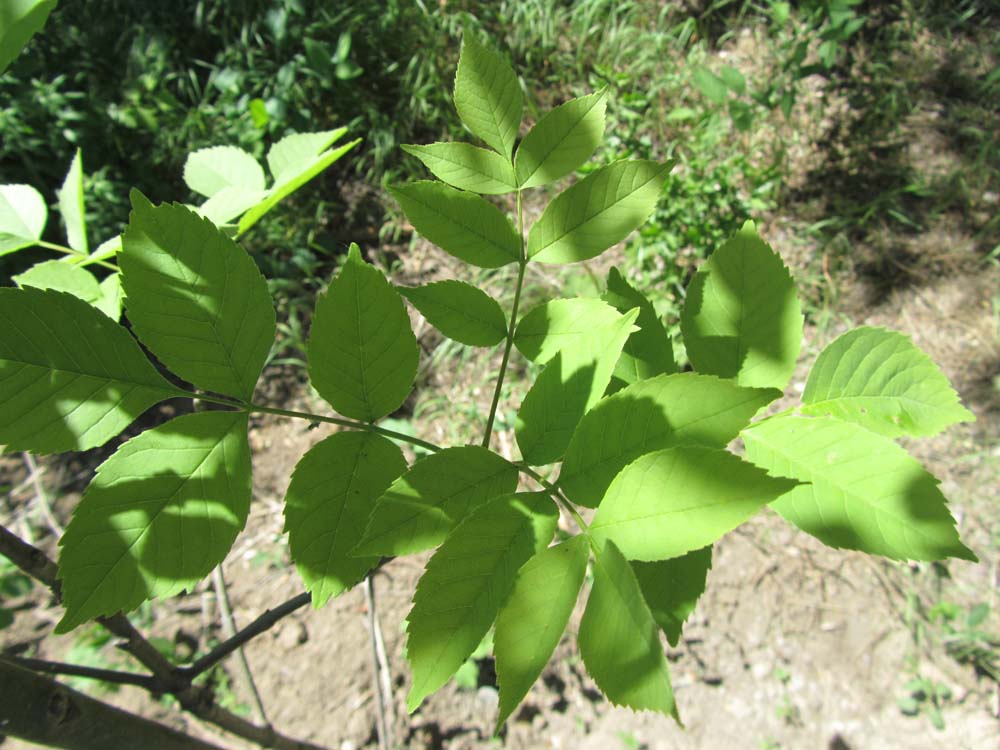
(741, 318)
(673, 501)
(22, 19)
(462, 224)
(864, 492)
(293, 161)
(22, 217)
(488, 96)
(460, 311)
(208, 171)
(561, 141)
(195, 298)
(648, 351)
(595, 213)
(881, 380)
(680, 409)
(61, 277)
(578, 368)
(671, 588)
(467, 167)
(71, 205)
(327, 505)
(467, 580)
(70, 378)
(422, 506)
(532, 620)
(362, 352)
(619, 640)
(157, 517)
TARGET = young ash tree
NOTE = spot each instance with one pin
(611, 434)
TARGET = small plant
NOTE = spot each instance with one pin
(927, 697)
(611, 434)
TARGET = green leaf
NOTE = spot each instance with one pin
(881, 380)
(532, 620)
(665, 411)
(71, 206)
(21, 20)
(709, 84)
(70, 378)
(741, 318)
(467, 580)
(195, 298)
(562, 324)
(462, 224)
(467, 167)
(107, 249)
(619, 640)
(561, 141)
(488, 96)
(157, 517)
(230, 203)
(865, 492)
(648, 351)
(460, 311)
(573, 380)
(61, 277)
(329, 498)
(110, 302)
(208, 171)
(22, 217)
(423, 505)
(673, 501)
(361, 350)
(294, 161)
(671, 588)
(733, 79)
(598, 211)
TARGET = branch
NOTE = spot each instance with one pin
(167, 678)
(39, 709)
(262, 623)
(105, 675)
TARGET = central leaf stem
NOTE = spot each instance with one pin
(522, 263)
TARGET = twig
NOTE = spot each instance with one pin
(41, 496)
(374, 636)
(196, 699)
(92, 673)
(262, 623)
(229, 627)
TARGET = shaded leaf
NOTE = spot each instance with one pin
(157, 517)
(422, 506)
(864, 491)
(70, 378)
(460, 311)
(671, 588)
(467, 167)
(22, 19)
(673, 501)
(71, 206)
(741, 318)
(465, 583)
(488, 96)
(572, 381)
(531, 622)
(680, 409)
(362, 353)
(648, 351)
(561, 141)
(329, 499)
(22, 217)
(619, 641)
(195, 298)
(881, 380)
(598, 211)
(208, 171)
(561, 324)
(462, 224)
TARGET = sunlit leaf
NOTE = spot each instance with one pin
(467, 167)
(208, 171)
(71, 206)
(22, 217)
(488, 96)
(22, 19)
(460, 311)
